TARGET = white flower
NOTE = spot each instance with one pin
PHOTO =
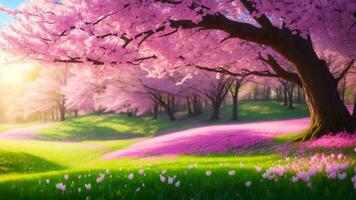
(177, 184)
(107, 171)
(138, 189)
(309, 185)
(170, 180)
(164, 172)
(258, 169)
(100, 179)
(208, 173)
(248, 183)
(130, 176)
(66, 177)
(87, 186)
(242, 165)
(232, 172)
(191, 166)
(60, 186)
(141, 172)
(79, 176)
(162, 178)
(47, 181)
(294, 179)
(79, 190)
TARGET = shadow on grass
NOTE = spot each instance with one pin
(104, 128)
(11, 162)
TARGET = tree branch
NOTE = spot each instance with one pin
(289, 76)
(218, 21)
(346, 69)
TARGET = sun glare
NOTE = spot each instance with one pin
(13, 74)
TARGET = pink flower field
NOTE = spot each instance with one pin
(212, 139)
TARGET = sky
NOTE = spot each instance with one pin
(4, 19)
(11, 73)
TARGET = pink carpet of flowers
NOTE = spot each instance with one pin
(340, 140)
(212, 139)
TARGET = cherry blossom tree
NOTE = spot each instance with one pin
(214, 89)
(45, 94)
(256, 36)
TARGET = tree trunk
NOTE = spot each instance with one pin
(170, 113)
(235, 96)
(197, 106)
(290, 96)
(190, 113)
(285, 96)
(299, 95)
(155, 110)
(75, 113)
(216, 111)
(62, 113)
(328, 112)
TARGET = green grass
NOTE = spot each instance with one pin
(265, 110)
(95, 127)
(105, 127)
(9, 126)
(79, 159)
(26, 165)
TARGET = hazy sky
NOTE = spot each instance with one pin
(4, 19)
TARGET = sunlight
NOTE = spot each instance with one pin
(14, 74)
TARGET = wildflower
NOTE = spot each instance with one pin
(130, 176)
(141, 172)
(331, 175)
(100, 178)
(342, 176)
(170, 180)
(60, 186)
(79, 190)
(138, 189)
(258, 169)
(340, 156)
(294, 179)
(309, 185)
(353, 179)
(107, 171)
(208, 173)
(66, 177)
(79, 176)
(248, 183)
(177, 184)
(191, 166)
(242, 165)
(47, 181)
(164, 172)
(87, 186)
(162, 178)
(232, 172)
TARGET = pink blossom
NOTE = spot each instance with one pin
(60, 186)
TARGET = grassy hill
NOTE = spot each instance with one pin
(122, 127)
